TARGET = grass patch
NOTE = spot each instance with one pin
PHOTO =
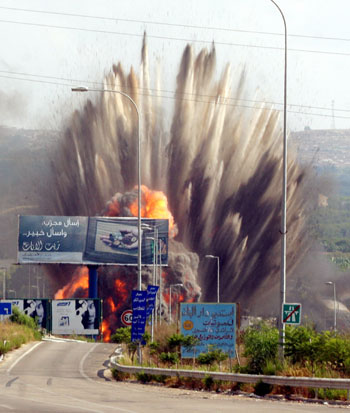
(13, 335)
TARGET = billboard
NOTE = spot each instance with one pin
(37, 308)
(89, 240)
(76, 316)
(214, 325)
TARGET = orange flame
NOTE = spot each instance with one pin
(154, 204)
(111, 304)
(106, 331)
(122, 292)
(80, 280)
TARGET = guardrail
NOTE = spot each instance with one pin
(314, 382)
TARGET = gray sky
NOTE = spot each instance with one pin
(48, 47)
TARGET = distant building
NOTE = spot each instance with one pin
(328, 147)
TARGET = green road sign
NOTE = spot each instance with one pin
(291, 313)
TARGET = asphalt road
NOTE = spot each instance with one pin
(63, 376)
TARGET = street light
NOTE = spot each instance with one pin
(154, 280)
(14, 293)
(173, 285)
(335, 303)
(85, 89)
(283, 231)
(37, 290)
(4, 273)
(218, 275)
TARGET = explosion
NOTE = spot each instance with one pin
(218, 170)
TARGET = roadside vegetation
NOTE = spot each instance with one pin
(17, 330)
(308, 353)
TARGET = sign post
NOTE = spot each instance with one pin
(5, 309)
(213, 325)
(138, 315)
(291, 313)
(126, 317)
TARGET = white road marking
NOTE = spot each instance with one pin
(22, 356)
(81, 371)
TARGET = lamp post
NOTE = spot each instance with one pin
(85, 89)
(335, 303)
(159, 251)
(153, 281)
(283, 230)
(14, 293)
(218, 275)
(172, 285)
(4, 271)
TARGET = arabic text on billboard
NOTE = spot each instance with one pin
(88, 240)
(214, 326)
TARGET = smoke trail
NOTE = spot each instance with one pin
(221, 169)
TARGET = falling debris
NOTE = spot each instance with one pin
(217, 175)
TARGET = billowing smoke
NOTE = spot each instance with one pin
(220, 167)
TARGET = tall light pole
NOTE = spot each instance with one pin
(218, 275)
(4, 271)
(335, 303)
(172, 285)
(283, 230)
(14, 293)
(153, 281)
(85, 89)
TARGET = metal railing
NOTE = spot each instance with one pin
(309, 382)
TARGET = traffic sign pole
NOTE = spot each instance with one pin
(291, 313)
(126, 318)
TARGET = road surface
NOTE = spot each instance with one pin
(72, 377)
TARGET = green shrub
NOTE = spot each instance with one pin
(302, 344)
(216, 355)
(122, 335)
(171, 358)
(332, 394)
(160, 378)
(271, 367)
(305, 346)
(144, 377)
(6, 346)
(205, 358)
(153, 347)
(208, 382)
(20, 318)
(175, 341)
(189, 342)
(261, 345)
(146, 337)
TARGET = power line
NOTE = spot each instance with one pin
(48, 26)
(189, 26)
(187, 99)
(101, 84)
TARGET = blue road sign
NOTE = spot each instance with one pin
(5, 308)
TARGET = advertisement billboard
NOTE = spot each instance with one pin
(89, 240)
(37, 308)
(78, 316)
(212, 324)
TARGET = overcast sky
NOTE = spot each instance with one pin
(51, 51)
